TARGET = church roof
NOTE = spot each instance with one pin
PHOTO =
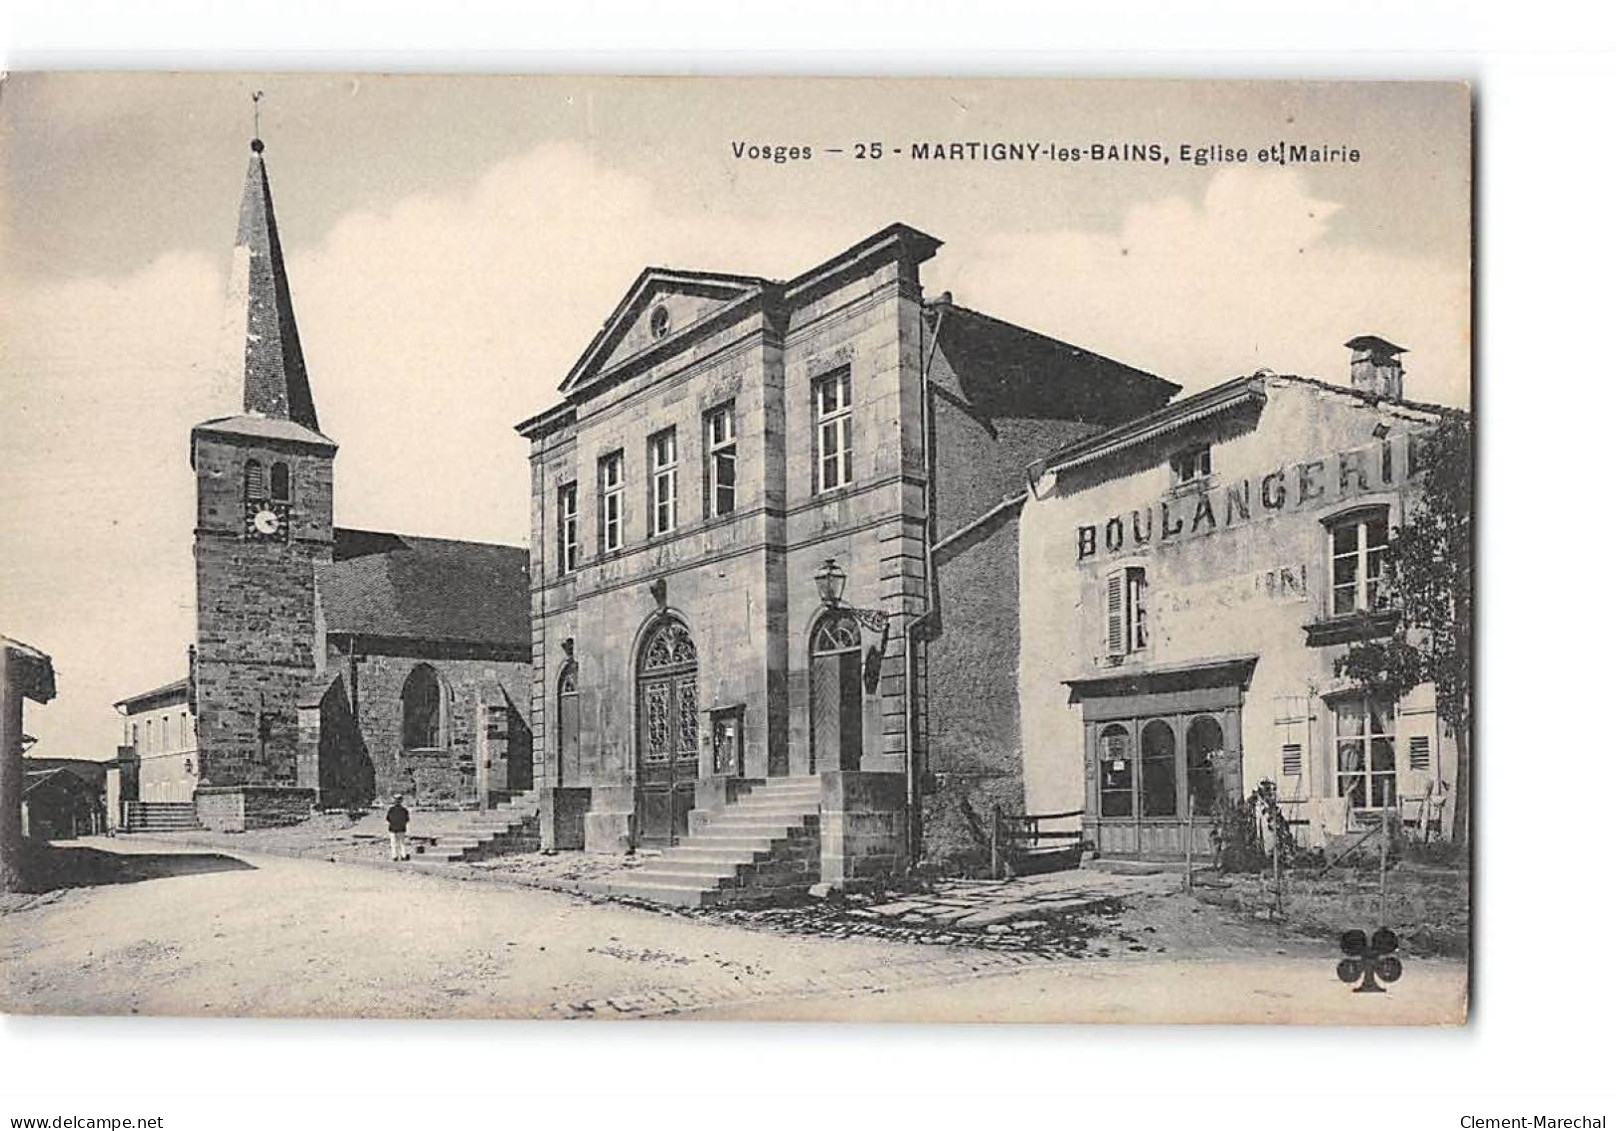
(406, 587)
(275, 381)
(267, 428)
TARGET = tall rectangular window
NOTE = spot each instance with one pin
(610, 478)
(168, 743)
(567, 528)
(833, 430)
(1357, 549)
(664, 453)
(721, 460)
(1126, 626)
(1365, 752)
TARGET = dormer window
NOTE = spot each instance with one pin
(1192, 465)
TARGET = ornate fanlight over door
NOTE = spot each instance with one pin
(668, 761)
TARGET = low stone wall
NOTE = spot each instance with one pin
(863, 835)
(237, 808)
(609, 824)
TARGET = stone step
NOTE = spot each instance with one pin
(769, 808)
(706, 855)
(713, 842)
(732, 827)
(698, 867)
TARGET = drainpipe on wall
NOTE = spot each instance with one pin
(912, 776)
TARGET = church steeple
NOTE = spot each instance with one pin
(275, 381)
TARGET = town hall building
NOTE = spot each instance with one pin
(774, 563)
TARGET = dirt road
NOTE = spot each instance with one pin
(216, 934)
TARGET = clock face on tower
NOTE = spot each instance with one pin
(267, 521)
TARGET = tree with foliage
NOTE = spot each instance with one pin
(1426, 576)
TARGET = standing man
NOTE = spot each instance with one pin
(398, 819)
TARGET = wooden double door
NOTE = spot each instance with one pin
(667, 761)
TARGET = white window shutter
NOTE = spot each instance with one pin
(1115, 613)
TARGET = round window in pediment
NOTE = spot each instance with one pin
(659, 322)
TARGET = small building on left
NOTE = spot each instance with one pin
(25, 673)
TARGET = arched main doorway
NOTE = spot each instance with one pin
(836, 693)
(666, 759)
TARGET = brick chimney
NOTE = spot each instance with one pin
(1376, 367)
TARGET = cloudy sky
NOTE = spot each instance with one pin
(453, 244)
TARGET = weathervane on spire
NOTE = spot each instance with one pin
(257, 142)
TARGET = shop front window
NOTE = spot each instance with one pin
(1116, 772)
(1202, 745)
(1159, 772)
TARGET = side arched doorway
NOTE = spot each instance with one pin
(836, 692)
(666, 748)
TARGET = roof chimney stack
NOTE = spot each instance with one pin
(1376, 368)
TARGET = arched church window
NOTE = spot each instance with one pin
(254, 479)
(280, 483)
(425, 710)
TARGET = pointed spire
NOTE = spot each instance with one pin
(275, 382)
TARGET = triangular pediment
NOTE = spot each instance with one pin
(662, 306)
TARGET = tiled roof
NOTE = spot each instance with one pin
(1009, 370)
(31, 670)
(166, 691)
(405, 587)
(95, 773)
(269, 427)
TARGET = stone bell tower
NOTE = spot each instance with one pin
(263, 525)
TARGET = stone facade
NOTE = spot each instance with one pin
(1235, 562)
(359, 749)
(255, 644)
(741, 583)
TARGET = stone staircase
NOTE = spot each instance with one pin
(759, 848)
(159, 816)
(511, 827)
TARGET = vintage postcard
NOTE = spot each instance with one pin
(839, 549)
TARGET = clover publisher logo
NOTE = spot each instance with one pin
(1368, 959)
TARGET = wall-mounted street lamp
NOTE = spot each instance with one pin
(831, 580)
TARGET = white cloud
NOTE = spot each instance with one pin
(1248, 277)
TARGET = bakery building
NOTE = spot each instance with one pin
(774, 545)
(1188, 582)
